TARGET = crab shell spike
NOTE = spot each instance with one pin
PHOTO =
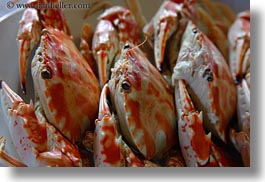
(17, 116)
(131, 159)
(144, 103)
(67, 87)
(61, 151)
(108, 143)
(134, 161)
(195, 144)
(103, 103)
(204, 69)
(8, 94)
(28, 37)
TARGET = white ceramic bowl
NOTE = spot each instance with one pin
(9, 48)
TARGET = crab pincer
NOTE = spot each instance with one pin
(33, 21)
(37, 142)
(205, 95)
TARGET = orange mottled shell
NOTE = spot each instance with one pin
(37, 142)
(144, 103)
(206, 72)
(66, 85)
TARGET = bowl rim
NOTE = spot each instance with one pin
(9, 14)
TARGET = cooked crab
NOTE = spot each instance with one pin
(145, 110)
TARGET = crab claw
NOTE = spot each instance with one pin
(107, 145)
(105, 47)
(51, 17)
(195, 144)
(28, 37)
(85, 46)
(109, 148)
(163, 25)
(115, 28)
(31, 24)
(204, 69)
(6, 157)
(37, 143)
(197, 148)
(239, 38)
(241, 139)
(8, 95)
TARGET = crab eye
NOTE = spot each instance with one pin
(208, 75)
(238, 79)
(194, 30)
(46, 73)
(126, 46)
(126, 86)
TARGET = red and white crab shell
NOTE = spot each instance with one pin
(205, 95)
(239, 37)
(65, 85)
(66, 104)
(145, 110)
(37, 142)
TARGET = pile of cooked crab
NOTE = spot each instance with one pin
(173, 91)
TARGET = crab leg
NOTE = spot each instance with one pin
(28, 37)
(51, 17)
(243, 106)
(105, 47)
(6, 157)
(122, 18)
(241, 139)
(195, 144)
(204, 69)
(239, 38)
(167, 26)
(85, 46)
(197, 148)
(109, 148)
(107, 145)
(135, 8)
(116, 26)
(31, 24)
(163, 25)
(37, 143)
